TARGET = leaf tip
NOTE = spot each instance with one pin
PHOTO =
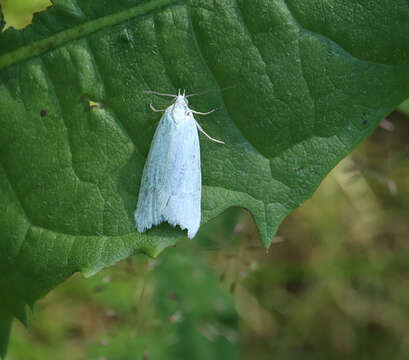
(267, 219)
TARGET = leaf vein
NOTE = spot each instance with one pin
(64, 122)
(77, 32)
(251, 38)
(325, 38)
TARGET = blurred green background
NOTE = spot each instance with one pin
(334, 284)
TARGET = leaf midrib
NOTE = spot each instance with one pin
(80, 31)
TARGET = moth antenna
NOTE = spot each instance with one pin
(209, 91)
(158, 93)
(208, 136)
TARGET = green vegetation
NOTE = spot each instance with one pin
(308, 80)
(333, 284)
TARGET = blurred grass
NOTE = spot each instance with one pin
(334, 284)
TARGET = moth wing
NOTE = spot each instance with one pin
(154, 176)
(183, 195)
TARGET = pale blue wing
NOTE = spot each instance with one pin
(171, 181)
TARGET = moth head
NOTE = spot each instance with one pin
(181, 98)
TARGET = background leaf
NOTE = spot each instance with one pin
(202, 321)
(404, 107)
(311, 80)
(19, 13)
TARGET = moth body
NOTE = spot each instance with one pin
(171, 181)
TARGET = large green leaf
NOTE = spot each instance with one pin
(311, 79)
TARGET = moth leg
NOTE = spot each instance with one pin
(154, 109)
(202, 113)
(208, 136)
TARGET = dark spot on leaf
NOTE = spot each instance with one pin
(81, 29)
(364, 119)
(43, 113)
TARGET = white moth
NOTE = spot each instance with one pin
(171, 186)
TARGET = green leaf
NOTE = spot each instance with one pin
(311, 80)
(193, 315)
(200, 316)
(19, 13)
(404, 107)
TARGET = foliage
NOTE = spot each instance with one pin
(19, 13)
(309, 83)
(333, 284)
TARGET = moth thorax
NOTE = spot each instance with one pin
(180, 112)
